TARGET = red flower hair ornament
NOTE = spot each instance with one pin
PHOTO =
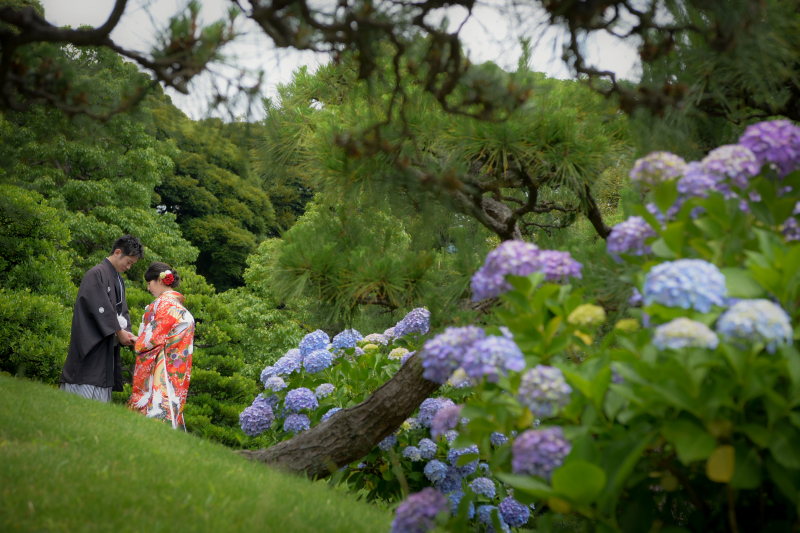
(167, 277)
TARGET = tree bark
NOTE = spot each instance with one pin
(352, 433)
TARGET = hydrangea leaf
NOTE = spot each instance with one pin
(785, 446)
(526, 484)
(692, 442)
(741, 284)
(580, 481)
(747, 473)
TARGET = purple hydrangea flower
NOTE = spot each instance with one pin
(312, 342)
(324, 390)
(296, 423)
(256, 418)
(358, 352)
(455, 499)
(696, 183)
(275, 384)
(416, 321)
(755, 321)
(685, 283)
(544, 391)
(416, 514)
(405, 357)
(443, 353)
(514, 513)
(731, 161)
(776, 143)
(427, 448)
(445, 419)
(498, 439)
(636, 298)
(268, 372)
(558, 266)
(413, 453)
(538, 452)
(791, 228)
(628, 237)
(490, 357)
(317, 361)
(330, 413)
(511, 257)
(429, 408)
(484, 486)
(346, 339)
(387, 443)
(289, 363)
(684, 333)
(657, 167)
(389, 333)
(467, 469)
(485, 517)
(299, 399)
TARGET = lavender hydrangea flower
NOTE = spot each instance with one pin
(387, 443)
(405, 357)
(776, 143)
(459, 379)
(490, 357)
(358, 352)
(397, 354)
(657, 167)
(538, 452)
(484, 486)
(256, 419)
(752, 321)
(299, 399)
(268, 372)
(636, 298)
(451, 435)
(324, 390)
(376, 338)
(330, 413)
(427, 448)
(312, 342)
(498, 439)
(346, 339)
(296, 423)
(416, 514)
(696, 183)
(514, 513)
(684, 333)
(389, 333)
(416, 321)
(467, 469)
(511, 257)
(455, 499)
(289, 363)
(445, 419)
(429, 408)
(275, 384)
(558, 266)
(732, 161)
(317, 361)
(544, 391)
(628, 237)
(411, 423)
(791, 230)
(685, 283)
(485, 517)
(444, 352)
(413, 453)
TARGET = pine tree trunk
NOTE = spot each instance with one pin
(352, 433)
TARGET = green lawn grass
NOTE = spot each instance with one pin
(69, 464)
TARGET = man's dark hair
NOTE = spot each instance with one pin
(130, 246)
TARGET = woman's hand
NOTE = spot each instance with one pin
(126, 338)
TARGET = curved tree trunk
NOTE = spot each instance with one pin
(352, 433)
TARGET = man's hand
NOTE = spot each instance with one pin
(126, 338)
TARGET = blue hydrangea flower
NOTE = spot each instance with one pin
(455, 499)
(490, 357)
(498, 439)
(657, 167)
(411, 424)
(330, 413)
(791, 230)
(443, 353)
(538, 452)
(387, 443)
(732, 161)
(312, 342)
(268, 372)
(558, 266)
(324, 390)
(460, 379)
(275, 384)
(416, 514)
(484, 486)
(416, 321)
(468, 468)
(514, 513)
(445, 419)
(544, 391)
(517, 258)
(358, 352)
(376, 338)
(299, 399)
(413, 453)
(756, 321)
(775, 143)
(485, 517)
(346, 339)
(429, 408)
(685, 283)
(636, 298)
(405, 357)
(451, 435)
(256, 419)
(427, 448)
(628, 237)
(684, 333)
(317, 361)
(435, 471)
(289, 363)
(485, 470)
(296, 423)
(389, 333)
(272, 400)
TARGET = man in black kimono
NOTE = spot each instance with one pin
(100, 324)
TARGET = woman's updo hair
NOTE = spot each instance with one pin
(156, 268)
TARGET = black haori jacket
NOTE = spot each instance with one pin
(94, 357)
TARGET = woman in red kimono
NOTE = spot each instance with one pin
(163, 350)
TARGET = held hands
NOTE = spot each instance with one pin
(126, 338)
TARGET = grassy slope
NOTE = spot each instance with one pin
(69, 464)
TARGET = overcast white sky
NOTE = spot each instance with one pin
(488, 36)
